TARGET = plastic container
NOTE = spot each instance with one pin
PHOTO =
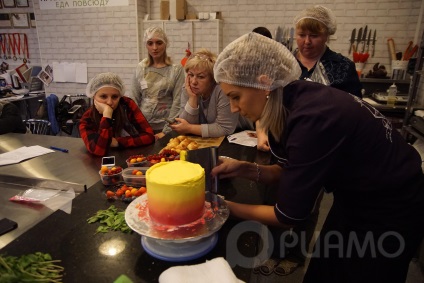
(109, 178)
(136, 160)
(391, 95)
(133, 179)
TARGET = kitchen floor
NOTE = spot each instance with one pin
(415, 274)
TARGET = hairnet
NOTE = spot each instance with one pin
(155, 32)
(321, 14)
(252, 55)
(104, 80)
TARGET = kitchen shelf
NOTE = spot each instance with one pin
(414, 103)
(384, 81)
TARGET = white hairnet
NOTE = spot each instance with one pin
(321, 14)
(252, 55)
(155, 32)
(104, 80)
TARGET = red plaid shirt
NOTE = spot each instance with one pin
(97, 139)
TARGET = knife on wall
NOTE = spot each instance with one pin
(291, 39)
(358, 39)
(373, 42)
(352, 40)
(368, 41)
(364, 38)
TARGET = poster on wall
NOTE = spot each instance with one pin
(71, 4)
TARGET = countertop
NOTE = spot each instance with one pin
(86, 256)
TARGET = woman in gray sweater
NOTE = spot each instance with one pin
(205, 108)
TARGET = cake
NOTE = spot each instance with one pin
(175, 192)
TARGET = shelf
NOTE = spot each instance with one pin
(384, 81)
(413, 132)
(414, 100)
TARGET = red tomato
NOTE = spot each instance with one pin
(110, 194)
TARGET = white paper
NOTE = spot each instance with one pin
(81, 73)
(22, 153)
(246, 138)
(69, 71)
(59, 72)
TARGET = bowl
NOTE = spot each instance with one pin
(112, 176)
(131, 176)
(136, 160)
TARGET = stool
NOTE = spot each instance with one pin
(38, 126)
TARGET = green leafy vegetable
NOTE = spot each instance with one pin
(37, 267)
(112, 220)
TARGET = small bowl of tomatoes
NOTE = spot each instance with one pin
(135, 175)
(110, 175)
(125, 192)
(136, 160)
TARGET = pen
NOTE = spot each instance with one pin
(60, 149)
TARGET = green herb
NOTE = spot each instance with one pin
(112, 219)
(37, 267)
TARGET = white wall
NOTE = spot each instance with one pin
(110, 38)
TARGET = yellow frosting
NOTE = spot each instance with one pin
(175, 192)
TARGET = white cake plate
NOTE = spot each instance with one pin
(215, 214)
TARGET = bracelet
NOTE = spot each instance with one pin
(258, 171)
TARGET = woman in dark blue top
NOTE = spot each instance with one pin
(325, 138)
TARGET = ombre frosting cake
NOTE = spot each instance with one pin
(175, 192)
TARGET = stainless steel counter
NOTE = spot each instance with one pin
(77, 170)
(77, 166)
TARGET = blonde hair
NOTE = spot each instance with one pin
(312, 25)
(203, 59)
(274, 114)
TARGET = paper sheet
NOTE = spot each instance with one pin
(22, 153)
(246, 138)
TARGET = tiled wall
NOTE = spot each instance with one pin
(106, 38)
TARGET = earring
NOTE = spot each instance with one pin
(267, 97)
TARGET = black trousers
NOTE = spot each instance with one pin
(345, 254)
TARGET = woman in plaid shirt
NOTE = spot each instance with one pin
(113, 120)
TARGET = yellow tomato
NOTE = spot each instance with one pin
(133, 160)
(139, 159)
(139, 173)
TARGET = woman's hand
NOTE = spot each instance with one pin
(114, 143)
(227, 168)
(263, 144)
(181, 127)
(103, 109)
(159, 135)
(187, 87)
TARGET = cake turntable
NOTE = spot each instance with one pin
(178, 243)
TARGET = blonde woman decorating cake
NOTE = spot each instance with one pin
(205, 109)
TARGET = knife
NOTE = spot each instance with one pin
(368, 41)
(364, 38)
(373, 42)
(358, 39)
(285, 39)
(352, 39)
(291, 39)
(278, 34)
